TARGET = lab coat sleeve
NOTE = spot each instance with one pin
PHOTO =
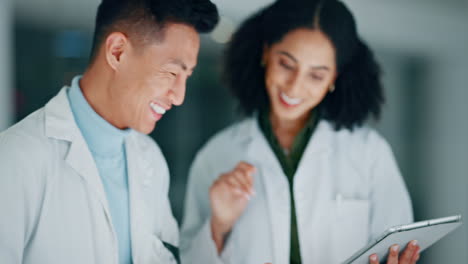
(20, 197)
(170, 230)
(197, 245)
(390, 201)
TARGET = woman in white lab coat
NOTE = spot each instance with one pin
(301, 179)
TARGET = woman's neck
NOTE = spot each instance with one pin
(287, 130)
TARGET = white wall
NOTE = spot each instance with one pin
(445, 174)
(436, 34)
(6, 94)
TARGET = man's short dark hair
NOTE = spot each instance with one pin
(145, 20)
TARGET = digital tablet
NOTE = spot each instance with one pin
(425, 232)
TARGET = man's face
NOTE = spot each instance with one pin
(149, 81)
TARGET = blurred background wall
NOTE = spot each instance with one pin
(6, 66)
(421, 44)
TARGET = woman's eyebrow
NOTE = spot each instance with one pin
(287, 54)
(314, 67)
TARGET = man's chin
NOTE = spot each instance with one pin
(146, 129)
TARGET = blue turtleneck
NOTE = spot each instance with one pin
(106, 144)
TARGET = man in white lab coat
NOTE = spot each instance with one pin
(80, 182)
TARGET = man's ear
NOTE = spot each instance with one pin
(116, 45)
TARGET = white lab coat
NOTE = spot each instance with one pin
(347, 190)
(53, 206)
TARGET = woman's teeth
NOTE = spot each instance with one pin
(158, 109)
(289, 100)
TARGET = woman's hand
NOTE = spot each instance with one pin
(409, 256)
(229, 196)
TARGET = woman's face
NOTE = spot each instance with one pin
(299, 72)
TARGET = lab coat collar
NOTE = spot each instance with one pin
(257, 146)
(60, 124)
(59, 121)
(320, 141)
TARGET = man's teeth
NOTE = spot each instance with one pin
(158, 109)
(289, 100)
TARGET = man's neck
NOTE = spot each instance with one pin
(96, 88)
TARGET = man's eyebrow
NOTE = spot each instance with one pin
(181, 64)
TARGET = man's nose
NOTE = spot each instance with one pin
(178, 92)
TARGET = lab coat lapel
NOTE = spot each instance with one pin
(313, 164)
(80, 159)
(276, 189)
(312, 183)
(139, 179)
(60, 124)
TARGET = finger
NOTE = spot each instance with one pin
(393, 254)
(247, 179)
(235, 190)
(407, 255)
(373, 259)
(217, 182)
(243, 180)
(415, 255)
(232, 181)
(223, 185)
(228, 181)
(247, 166)
(236, 186)
(223, 178)
(239, 192)
(245, 169)
(249, 169)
